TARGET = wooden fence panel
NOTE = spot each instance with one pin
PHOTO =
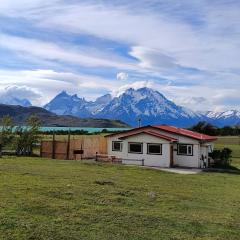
(60, 150)
(89, 144)
(75, 144)
(46, 149)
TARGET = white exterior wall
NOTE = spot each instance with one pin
(149, 160)
(163, 160)
(187, 161)
(184, 160)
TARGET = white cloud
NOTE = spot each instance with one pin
(200, 47)
(21, 7)
(211, 45)
(122, 76)
(153, 58)
(194, 103)
(19, 92)
(89, 57)
(171, 41)
(47, 83)
(135, 85)
(201, 98)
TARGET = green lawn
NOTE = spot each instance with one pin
(233, 143)
(50, 199)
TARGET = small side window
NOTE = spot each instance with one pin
(117, 146)
(154, 149)
(185, 149)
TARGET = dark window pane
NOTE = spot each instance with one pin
(117, 146)
(154, 148)
(135, 147)
(185, 149)
(182, 149)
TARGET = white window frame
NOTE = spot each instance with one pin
(187, 153)
(149, 144)
(117, 150)
(140, 143)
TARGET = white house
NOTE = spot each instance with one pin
(161, 146)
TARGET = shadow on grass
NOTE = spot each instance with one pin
(221, 169)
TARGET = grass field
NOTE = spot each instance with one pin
(49, 199)
(234, 144)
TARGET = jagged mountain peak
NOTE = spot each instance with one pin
(145, 103)
(104, 99)
(146, 96)
(66, 104)
(144, 91)
(63, 94)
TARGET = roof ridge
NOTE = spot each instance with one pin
(185, 132)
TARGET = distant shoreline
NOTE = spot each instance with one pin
(78, 129)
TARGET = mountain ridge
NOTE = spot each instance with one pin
(19, 115)
(145, 103)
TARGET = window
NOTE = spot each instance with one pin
(154, 148)
(185, 149)
(135, 148)
(117, 146)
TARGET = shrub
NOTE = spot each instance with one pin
(6, 133)
(28, 137)
(222, 157)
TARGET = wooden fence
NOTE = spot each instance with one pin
(85, 147)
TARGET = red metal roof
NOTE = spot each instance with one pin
(185, 132)
(155, 134)
(130, 131)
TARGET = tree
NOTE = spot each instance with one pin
(28, 136)
(206, 128)
(222, 157)
(7, 133)
(199, 127)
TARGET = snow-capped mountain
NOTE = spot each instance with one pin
(65, 104)
(99, 104)
(16, 101)
(145, 103)
(230, 117)
(149, 105)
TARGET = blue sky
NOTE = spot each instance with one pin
(188, 50)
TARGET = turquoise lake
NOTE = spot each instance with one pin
(90, 130)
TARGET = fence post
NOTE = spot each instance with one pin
(143, 162)
(41, 149)
(81, 151)
(96, 156)
(53, 146)
(68, 145)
